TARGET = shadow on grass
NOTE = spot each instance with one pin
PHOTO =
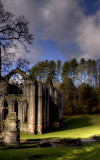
(74, 122)
(89, 151)
(18, 147)
(69, 124)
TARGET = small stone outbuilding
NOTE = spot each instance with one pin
(37, 106)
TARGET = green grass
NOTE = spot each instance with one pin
(89, 151)
(73, 127)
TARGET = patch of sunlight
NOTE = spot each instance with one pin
(76, 151)
(68, 156)
(72, 129)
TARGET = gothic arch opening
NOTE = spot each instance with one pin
(5, 104)
(16, 82)
(17, 71)
(16, 78)
(4, 113)
(16, 108)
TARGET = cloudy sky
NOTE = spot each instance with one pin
(62, 29)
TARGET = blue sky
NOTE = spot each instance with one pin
(90, 6)
(51, 51)
(63, 29)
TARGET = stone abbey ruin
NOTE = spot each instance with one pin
(37, 106)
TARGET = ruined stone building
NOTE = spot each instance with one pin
(37, 106)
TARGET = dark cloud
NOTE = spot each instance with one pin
(61, 21)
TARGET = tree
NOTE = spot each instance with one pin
(94, 73)
(73, 66)
(34, 72)
(67, 89)
(98, 72)
(58, 69)
(89, 71)
(52, 71)
(81, 71)
(40, 71)
(65, 70)
(12, 30)
(44, 70)
(23, 64)
(87, 97)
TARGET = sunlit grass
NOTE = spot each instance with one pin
(73, 127)
(88, 151)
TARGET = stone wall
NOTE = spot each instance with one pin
(39, 107)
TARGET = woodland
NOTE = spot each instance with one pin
(79, 83)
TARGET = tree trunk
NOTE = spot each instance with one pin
(0, 60)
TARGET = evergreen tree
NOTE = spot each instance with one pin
(58, 70)
(52, 73)
(98, 72)
(81, 71)
(73, 66)
(67, 89)
(89, 71)
(94, 73)
(88, 97)
(66, 70)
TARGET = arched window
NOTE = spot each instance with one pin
(16, 79)
(16, 108)
(4, 113)
(16, 82)
(5, 103)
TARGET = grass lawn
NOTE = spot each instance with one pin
(88, 151)
(73, 127)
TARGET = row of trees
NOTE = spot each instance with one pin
(78, 82)
(82, 72)
(44, 69)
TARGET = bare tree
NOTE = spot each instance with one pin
(23, 64)
(12, 30)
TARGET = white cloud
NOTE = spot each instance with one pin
(34, 54)
(88, 38)
(61, 21)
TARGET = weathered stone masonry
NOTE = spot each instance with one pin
(37, 106)
(12, 130)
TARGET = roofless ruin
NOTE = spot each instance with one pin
(37, 106)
